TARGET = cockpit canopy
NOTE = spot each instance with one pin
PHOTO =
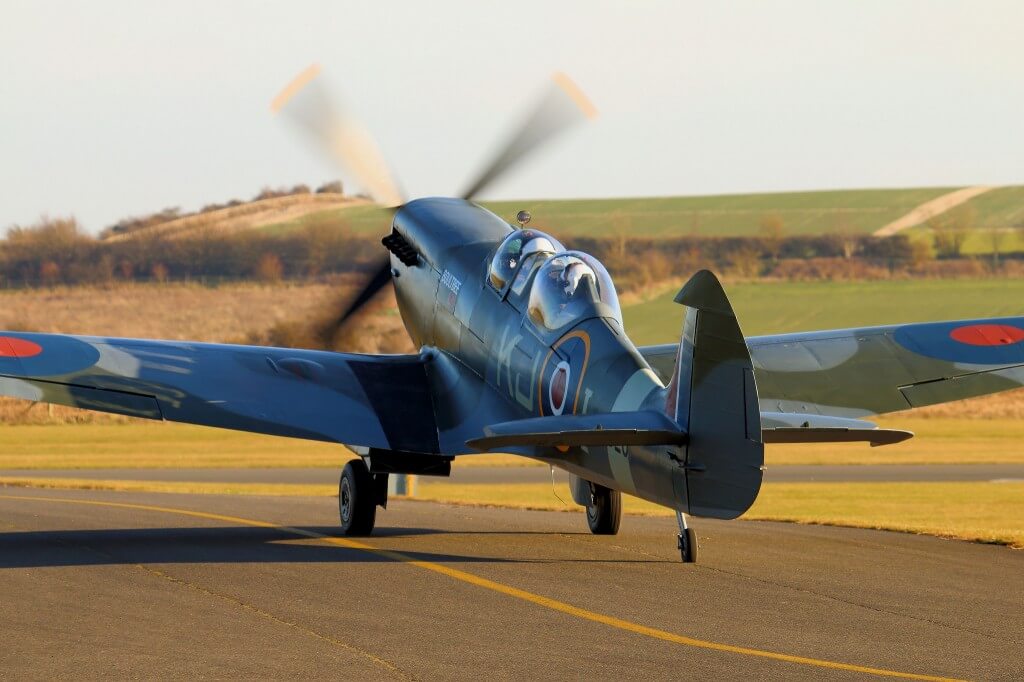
(516, 248)
(570, 287)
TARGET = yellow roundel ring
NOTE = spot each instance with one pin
(585, 338)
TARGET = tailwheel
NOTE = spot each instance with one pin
(357, 501)
(604, 511)
(686, 540)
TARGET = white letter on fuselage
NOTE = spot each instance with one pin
(505, 348)
(526, 399)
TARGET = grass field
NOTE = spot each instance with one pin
(182, 311)
(980, 512)
(861, 211)
(779, 307)
(146, 445)
(156, 445)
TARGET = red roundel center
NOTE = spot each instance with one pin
(11, 347)
(558, 388)
(987, 335)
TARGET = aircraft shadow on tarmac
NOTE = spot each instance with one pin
(56, 548)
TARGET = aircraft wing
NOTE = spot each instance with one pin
(369, 400)
(852, 373)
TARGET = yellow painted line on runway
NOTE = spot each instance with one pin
(508, 590)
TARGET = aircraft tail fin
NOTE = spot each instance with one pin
(712, 396)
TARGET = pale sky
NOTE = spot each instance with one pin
(109, 109)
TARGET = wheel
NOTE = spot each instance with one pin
(604, 511)
(688, 546)
(357, 507)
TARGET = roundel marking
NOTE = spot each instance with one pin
(976, 342)
(584, 338)
(987, 334)
(12, 347)
(558, 386)
(45, 355)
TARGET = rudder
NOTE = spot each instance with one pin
(713, 397)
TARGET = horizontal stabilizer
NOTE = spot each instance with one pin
(610, 429)
(785, 427)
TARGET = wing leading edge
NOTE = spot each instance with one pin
(375, 401)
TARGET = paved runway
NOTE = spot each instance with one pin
(179, 585)
(535, 474)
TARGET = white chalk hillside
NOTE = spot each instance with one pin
(930, 209)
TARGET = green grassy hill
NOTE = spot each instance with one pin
(1000, 208)
(998, 222)
(861, 211)
(778, 307)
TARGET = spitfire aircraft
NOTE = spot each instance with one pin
(523, 350)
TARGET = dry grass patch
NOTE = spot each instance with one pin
(180, 487)
(247, 215)
(1005, 405)
(156, 445)
(119, 442)
(977, 511)
(980, 512)
(145, 444)
(180, 311)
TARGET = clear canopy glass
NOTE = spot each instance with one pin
(570, 287)
(514, 250)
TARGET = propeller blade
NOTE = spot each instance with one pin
(307, 103)
(563, 105)
(380, 278)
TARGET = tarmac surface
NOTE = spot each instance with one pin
(536, 474)
(155, 585)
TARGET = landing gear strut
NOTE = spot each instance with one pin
(687, 540)
(359, 493)
(604, 511)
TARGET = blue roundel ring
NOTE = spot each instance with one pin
(44, 355)
(974, 342)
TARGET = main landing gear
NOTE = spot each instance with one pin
(364, 483)
(687, 540)
(604, 510)
(359, 493)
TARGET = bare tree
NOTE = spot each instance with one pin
(772, 232)
(951, 230)
(997, 238)
(848, 238)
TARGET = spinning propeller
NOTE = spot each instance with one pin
(306, 103)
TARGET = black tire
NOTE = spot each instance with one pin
(357, 506)
(604, 511)
(688, 546)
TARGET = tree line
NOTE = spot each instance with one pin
(58, 252)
